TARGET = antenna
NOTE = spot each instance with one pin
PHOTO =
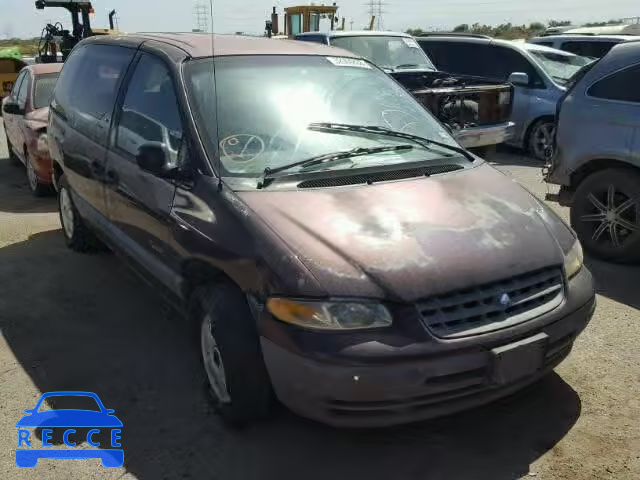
(201, 16)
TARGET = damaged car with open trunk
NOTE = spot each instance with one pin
(475, 109)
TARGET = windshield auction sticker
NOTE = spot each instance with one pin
(53, 417)
(348, 62)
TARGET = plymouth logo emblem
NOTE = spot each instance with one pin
(505, 300)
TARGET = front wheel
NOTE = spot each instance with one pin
(236, 375)
(606, 214)
(541, 139)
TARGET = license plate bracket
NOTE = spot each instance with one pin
(520, 359)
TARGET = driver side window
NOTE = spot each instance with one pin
(23, 91)
(150, 110)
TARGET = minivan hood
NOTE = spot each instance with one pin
(408, 240)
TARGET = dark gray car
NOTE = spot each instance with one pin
(367, 270)
(598, 159)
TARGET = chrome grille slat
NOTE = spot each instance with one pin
(478, 310)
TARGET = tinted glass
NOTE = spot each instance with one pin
(264, 107)
(23, 91)
(90, 79)
(386, 52)
(16, 86)
(453, 57)
(44, 90)
(593, 49)
(623, 85)
(560, 66)
(312, 38)
(150, 111)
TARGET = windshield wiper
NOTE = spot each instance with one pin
(376, 130)
(329, 158)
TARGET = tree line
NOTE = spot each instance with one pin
(509, 31)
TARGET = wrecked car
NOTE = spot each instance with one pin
(477, 110)
(360, 267)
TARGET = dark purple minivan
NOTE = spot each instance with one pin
(335, 246)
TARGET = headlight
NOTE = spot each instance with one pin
(330, 315)
(43, 143)
(573, 260)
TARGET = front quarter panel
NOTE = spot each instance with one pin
(215, 227)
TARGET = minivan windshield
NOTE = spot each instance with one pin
(560, 66)
(388, 52)
(44, 89)
(267, 107)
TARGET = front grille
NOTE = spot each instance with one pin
(493, 306)
(369, 178)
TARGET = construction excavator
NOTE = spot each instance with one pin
(56, 42)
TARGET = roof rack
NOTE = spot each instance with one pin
(453, 34)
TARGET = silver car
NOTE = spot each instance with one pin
(597, 162)
(538, 73)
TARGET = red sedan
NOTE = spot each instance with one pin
(25, 112)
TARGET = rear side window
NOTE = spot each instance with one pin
(587, 48)
(622, 86)
(150, 111)
(90, 80)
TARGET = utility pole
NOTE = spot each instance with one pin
(374, 8)
(351, 25)
(201, 16)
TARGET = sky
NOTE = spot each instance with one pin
(20, 18)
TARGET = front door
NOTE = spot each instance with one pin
(139, 202)
(11, 120)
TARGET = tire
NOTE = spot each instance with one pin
(606, 214)
(243, 395)
(13, 158)
(77, 235)
(37, 188)
(540, 139)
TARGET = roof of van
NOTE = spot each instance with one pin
(204, 44)
(44, 68)
(583, 37)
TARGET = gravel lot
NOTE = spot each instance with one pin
(83, 322)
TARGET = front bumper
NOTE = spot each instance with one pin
(396, 382)
(485, 135)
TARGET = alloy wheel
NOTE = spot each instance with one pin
(542, 142)
(32, 176)
(66, 212)
(612, 216)
(213, 365)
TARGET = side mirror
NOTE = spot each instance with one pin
(152, 157)
(12, 108)
(520, 79)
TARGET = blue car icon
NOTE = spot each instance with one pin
(69, 418)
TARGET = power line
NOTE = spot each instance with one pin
(374, 8)
(201, 16)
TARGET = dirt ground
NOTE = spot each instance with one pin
(83, 322)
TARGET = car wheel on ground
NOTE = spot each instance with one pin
(13, 158)
(540, 141)
(606, 214)
(236, 375)
(76, 234)
(38, 188)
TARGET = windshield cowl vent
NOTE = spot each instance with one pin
(374, 177)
